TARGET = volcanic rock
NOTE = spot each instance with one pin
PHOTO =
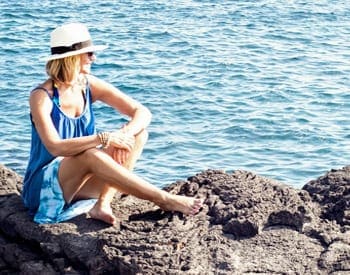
(249, 224)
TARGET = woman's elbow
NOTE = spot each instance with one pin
(55, 149)
(144, 113)
(148, 114)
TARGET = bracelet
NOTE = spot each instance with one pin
(104, 139)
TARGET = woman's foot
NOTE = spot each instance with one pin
(103, 213)
(183, 204)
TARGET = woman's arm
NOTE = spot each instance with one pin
(140, 116)
(40, 108)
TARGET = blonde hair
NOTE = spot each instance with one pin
(63, 70)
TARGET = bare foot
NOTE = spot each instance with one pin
(183, 204)
(103, 213)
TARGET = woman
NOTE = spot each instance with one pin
(72, 169)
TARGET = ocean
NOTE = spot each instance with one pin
(261, 86)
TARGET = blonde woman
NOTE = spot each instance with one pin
(72, 169)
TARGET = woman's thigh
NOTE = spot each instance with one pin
(74, 172)
(78, 182)
(77, 179)
(93, 185)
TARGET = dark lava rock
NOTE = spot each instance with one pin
(248, 225)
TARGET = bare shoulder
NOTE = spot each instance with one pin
(97, 83)
(41, 95)
(101, 88)
(44, 88)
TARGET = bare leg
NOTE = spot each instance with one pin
(75, 171)
(140, 141)
(102, 209)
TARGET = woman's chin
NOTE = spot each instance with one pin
(85, 70)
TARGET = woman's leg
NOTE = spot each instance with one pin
(105, 192)
(75, 171)
(94, 164)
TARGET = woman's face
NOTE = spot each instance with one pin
(86, 60)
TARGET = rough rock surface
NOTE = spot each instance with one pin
(249, 224)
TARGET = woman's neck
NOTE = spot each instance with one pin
(71, 85)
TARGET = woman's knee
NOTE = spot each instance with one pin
(141, 138)
(140, 141)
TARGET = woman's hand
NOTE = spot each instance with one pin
(120, 155)
(121, 144)
(122, 140)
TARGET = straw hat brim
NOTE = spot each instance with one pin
(92, 48)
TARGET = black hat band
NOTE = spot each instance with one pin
(74, 47)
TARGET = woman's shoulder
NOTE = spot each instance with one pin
(43, 87)
(97, 85)
(92, 80)
(42, 93)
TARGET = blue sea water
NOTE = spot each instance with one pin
(255, 85)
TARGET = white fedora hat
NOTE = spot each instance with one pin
(71, 39)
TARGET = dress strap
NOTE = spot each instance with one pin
(41, 88)
(56, 97)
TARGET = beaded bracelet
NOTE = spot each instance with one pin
(104, 139)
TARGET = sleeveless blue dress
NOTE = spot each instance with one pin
(42, 193)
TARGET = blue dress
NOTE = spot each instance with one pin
(42, 193)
